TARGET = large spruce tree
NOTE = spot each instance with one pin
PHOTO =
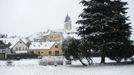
(104, 24)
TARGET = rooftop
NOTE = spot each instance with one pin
(41, 45)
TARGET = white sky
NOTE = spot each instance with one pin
(26, 17)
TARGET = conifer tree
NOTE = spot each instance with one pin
(104, 24)
(71, 50)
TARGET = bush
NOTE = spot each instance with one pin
(42, 62)
(51, 60)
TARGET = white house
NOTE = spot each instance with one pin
(16, 45)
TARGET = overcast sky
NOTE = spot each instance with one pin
(26, 17)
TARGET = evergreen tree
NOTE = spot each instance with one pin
(85, 50)
(104, 25)
(71, 50)
(119, 51)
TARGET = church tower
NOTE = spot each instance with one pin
(67, 25)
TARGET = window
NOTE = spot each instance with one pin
(39, 52)
(16, 48)
(56, 52)
(20, 48)
(56, 46)
(50, 53)
(51, 37)
(3, 51)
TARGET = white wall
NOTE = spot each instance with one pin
(20, 46)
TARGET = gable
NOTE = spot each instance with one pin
(20, 43)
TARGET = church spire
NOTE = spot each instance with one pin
(67, 25)
(67, 19)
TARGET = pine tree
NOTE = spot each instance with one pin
(71, 50)
(85, 51)
(104, 24)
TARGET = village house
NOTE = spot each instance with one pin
(49, 35)
(54, 36)
(46, 48)
(16, 45)
(4, 50)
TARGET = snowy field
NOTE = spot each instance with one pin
(32, 67)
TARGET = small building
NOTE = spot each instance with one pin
(4, 50)
(55, 36)
(46, 48)
(49, 35)
(16, 45)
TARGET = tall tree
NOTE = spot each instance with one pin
(104, 24)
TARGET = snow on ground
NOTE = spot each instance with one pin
(32, 67)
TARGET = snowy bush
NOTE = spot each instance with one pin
(42, 62)
(59, 60)
(51, 60)
(68, 62)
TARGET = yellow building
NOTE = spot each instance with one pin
(46, 48)
(55, 36)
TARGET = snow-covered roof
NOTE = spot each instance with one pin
(35, 36)
(24, 40)
(39, 35)
(41, 45)
(13, 41)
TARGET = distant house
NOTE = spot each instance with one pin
(4, 50)
(49, 35)
(16, 45)
(55, 36)
(46, 48)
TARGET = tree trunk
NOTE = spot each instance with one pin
(89, 60)
(82, 62)
(103, 56)
(118, 60)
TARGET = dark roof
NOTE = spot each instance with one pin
(2, 45)
(67, 19)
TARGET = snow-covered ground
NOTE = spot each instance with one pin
(32, 67)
